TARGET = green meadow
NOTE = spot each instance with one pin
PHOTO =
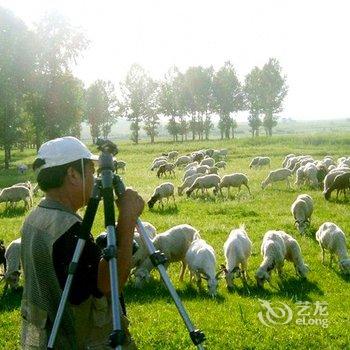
(232, 320)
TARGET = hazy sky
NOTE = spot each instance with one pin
(310, 39)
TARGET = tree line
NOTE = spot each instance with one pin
(40, 98)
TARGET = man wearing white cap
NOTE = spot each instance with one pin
(49, 234)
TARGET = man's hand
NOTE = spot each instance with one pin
(130, 205)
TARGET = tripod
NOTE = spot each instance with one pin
(104, 187)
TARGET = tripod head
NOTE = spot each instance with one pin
(107, 146)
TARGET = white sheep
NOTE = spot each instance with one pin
(207, 161)
(13, 264)
(15, 194)
(329, 180)
(222, 164)
(234, 180)
(259, 162)
(201, 261)
(183, 160)
(237, 250)
(189, 172)
(286, 158)
(202, 169)
(332, 238)
(204, 183)
(302, 209)
(293, 254)
(190, 165)
(277, 175)
(174, 244)
(172, 155)
(188, 182)
(166, 168)
(164, 190)
(273, 250)
(156, 164)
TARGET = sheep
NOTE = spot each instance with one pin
(341, 183)
(330, 237)
(201, 261)
(13, 264)
(189, 172)
(209, 152)
(183, 160)
(22, 168)
(191, 165)
(207, 161)
(188, 182)
(202, 169)
(164, 190)
(302, 209)
(277, 175)
(273, 250)
(237, 250)
(328, 181)
(2, 256)
(155, 165)
(120, 165)
(286, 158)
(293, 254)
(221, 164)
(234, 180)
(197, 156)
(259, 162)
(213, 170)
(174, 244)
(205, 182)
(15, 194)
(167, 167)
(172, 155)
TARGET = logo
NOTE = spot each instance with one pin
(274, 313)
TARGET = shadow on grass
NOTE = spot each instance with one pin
(156, 290)
(343, 276)
(11, 299)
(169, 210)
(13, 212)
(290, 288)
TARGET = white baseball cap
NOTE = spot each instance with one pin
(63, 150)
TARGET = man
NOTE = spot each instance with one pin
(65, 172)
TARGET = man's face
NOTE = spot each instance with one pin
(89, 171)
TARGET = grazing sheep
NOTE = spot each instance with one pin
(286, 158)
(191, 165)
(183, 160)
(237, 250)
(209, 152)
(174, 244)
(15, 194)
(222, 164)
(156, 164)
(277, 175)
(197, 156)
(120, 165)
(207, 161)
(188, 182)
(341, 183)
(273, 250)
(234, 180)
(332, 238)
(2, 256)
(202, 169)
(165, 190)
(13, 264)
(167, 167)
(201, 261)
(22, 168)
(302, 209)
(259, 162)
(172, 155)
(293, 254)
(205, 182)
(213, 170)
(189, 172)
(328, 181)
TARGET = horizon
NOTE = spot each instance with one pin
(312, 55)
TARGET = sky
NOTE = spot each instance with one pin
(309, 38)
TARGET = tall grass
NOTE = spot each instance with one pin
(229, 321)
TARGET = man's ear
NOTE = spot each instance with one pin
(73, 176)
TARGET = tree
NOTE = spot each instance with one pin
(275, 90)
(227, 98)
(100, 108)
(151, 117)
(255, 123)
(16, 65)
(137, 91)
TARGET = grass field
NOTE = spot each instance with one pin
(231, 320)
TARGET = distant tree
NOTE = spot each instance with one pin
(151, 117)
(137, 91)
(100, 108)
(16, 65)
(255, 123)
(227, 98)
